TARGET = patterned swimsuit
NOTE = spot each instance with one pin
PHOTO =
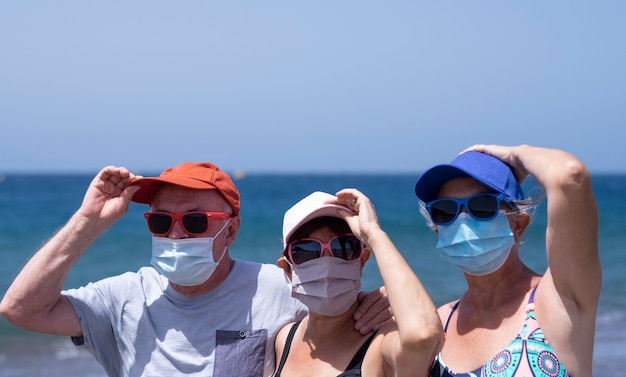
(528, 355)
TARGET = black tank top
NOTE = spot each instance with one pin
(353, 369)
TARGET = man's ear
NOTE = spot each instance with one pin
(232, 229)
(282, 263)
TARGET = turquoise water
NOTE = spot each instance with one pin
(32, 207)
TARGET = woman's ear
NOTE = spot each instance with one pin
(519, 224)
(282, 263)
(365, 257)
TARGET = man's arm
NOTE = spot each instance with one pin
(34, 301)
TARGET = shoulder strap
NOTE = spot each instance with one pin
(357, 360)
(288, 341)
(531, 299)
(450, 315)
(530, 305)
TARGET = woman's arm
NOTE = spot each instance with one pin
(568, 293)
(419, 335)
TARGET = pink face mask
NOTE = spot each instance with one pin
(328, 285)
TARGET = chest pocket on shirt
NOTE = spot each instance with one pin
(240, 353)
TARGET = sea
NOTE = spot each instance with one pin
(34, 206)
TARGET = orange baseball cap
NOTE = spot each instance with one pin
(195, 175)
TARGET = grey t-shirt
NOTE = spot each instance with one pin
(135, 324)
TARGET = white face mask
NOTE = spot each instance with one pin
(476, 247)
(326, 285)
(186, 261)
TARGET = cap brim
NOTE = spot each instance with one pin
(149, 185)
(428, 185)
(331, 210)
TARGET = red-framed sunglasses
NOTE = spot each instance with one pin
(345, 246)
(196, 222)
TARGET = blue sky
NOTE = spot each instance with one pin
(295, 86)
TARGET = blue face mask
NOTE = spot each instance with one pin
(186, 261)
(476, 247)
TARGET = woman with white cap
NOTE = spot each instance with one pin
(327, 241)
(512, 321)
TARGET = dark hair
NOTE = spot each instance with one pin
(335, 224)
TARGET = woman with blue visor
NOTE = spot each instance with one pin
(513, 321)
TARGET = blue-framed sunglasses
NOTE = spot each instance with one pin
(480, 206)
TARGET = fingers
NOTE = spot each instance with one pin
(113, 180)
(363, 219)
(503, 153)
(507, 154)
(108, 195)
(350, 198)
(491, 149)
(129, 191)
(117, 176)
(111, 183)
(373, 310)
(354, 200)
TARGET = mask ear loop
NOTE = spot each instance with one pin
(222, 256)
(225, 247)
(287, 260)
(218, 233)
